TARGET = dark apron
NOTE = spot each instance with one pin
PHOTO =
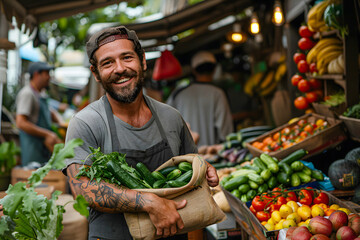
(33, 148)
(106, 226)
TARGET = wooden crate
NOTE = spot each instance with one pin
(353, 127)
(329, 137)
(253, 226)
(53, 178)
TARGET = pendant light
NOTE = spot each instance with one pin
(254, 24)
(278, 14)
(236, 36)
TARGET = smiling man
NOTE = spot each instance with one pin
(126, 121)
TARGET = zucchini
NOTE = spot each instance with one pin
(176, 183)
(242, 172)
(243, 198)
(256, 128)
(256, 178)
(251, 194)
(158, 176)
(294, 156)
(318, 175)
(283, 178)
(259, 163)
(124, 177)
(185, 166)
(235, 182)
(252, 167)
(263, 188)
(295, 180)
(185, 177)
(253, 185)
(225, 179)
(272, 182)
(269, 162)
(233, 136)
(304, 177)
(231, 144)
(266, 174)
(244, 188)
(166, 170)
(174, 174)
(145, 173)
(307, 170)
(285, 168)
(236, 193)
(297, 166)
(159, 183)
(253, 134)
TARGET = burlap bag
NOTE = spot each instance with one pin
(199, 212)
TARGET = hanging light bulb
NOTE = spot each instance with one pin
(278, 15)
(236, 36)
(254, 24)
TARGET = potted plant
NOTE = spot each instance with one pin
(8, 152)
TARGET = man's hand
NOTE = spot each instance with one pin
(50, 140)
(164, 215)
(211, 175)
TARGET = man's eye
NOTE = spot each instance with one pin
(128, 57)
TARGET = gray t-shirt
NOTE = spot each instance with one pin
(205, 107)
(27, 103)
(92, 127)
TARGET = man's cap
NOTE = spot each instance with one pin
(108, 35)
(201, 58)
(38, 67)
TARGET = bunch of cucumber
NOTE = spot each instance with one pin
(266, 172)
(141, 177)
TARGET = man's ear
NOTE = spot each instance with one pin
(92, 69)
(144, 62)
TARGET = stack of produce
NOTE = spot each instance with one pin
(266, 173)
(339, 225)
(289, 136)
(113, 168)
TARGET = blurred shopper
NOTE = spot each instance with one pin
(34, 117)
(203, 105)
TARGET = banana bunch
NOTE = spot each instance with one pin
(323, 47)
(268, 85)
(336, 66)
(315, 16)
(252, 82)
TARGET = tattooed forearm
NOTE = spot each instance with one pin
(103, 196)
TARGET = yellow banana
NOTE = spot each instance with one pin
(269, 89)
(327, 49)
(326, 59)
(312, 12)
(320, 11)
(267, 80)
(252, 81)
(280, 72)
(322, 43)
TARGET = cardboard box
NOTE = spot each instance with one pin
(329, 137)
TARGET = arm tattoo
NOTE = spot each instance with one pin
(103, 196)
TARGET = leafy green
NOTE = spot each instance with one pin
(353, 111)
(32, 216)
(333, 17)
(8, 151)
(335, 99)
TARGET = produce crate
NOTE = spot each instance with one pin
(353, 127)
(249, 221)
(329, 137)
(329, 111)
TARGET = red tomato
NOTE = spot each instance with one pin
(304, 85)
(299, 56)
(280, 201)
(295, 79)
(302, 66)
(311, 97)
(319, 93)
(291, 196)
(305, 43)
(304, 31)
(322, 198)
(315, 83)
(276, 192)
(252, 209)
(313, 68)
(263, 216)
(305, 197)
(311, 191)
(258, 204)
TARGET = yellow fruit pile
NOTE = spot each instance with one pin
(315, 17)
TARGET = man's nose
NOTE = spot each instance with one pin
(119, 66)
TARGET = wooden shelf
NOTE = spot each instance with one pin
(339, 77)
(319, 35)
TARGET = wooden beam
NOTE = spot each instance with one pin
(6, 44)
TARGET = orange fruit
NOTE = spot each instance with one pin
(329, 211)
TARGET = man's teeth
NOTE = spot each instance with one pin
(123, 80)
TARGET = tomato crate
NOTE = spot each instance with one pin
(331, 136)
(248, 221)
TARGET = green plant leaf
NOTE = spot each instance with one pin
(81, 205)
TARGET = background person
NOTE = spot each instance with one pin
(127, 121)
(203, 105)
(34, 117)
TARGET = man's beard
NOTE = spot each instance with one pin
(127, 95)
